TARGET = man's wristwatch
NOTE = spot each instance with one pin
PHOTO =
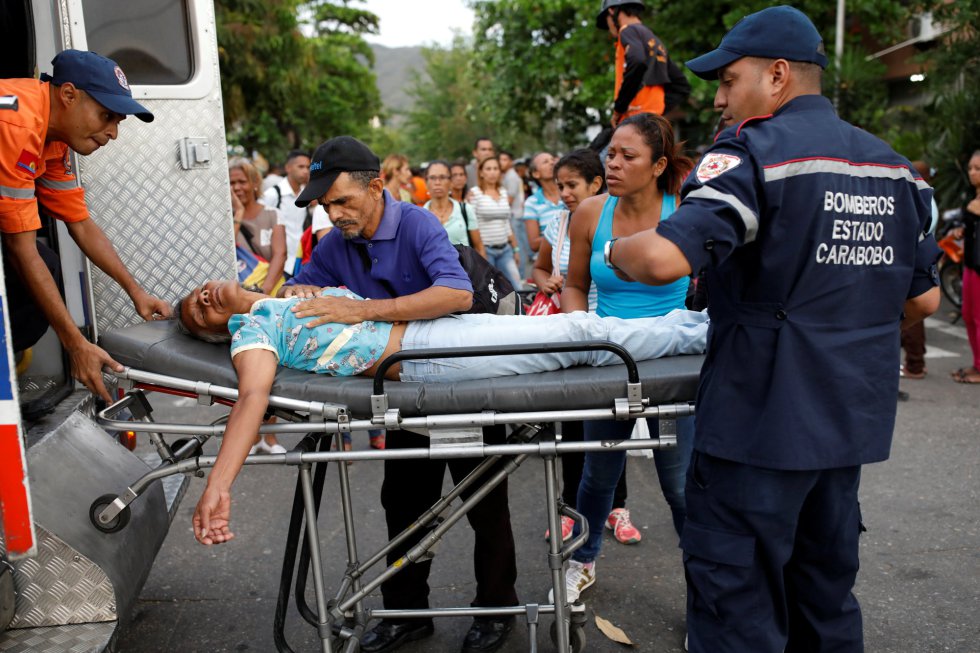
(607, 254)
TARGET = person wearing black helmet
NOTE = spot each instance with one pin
(647, 81)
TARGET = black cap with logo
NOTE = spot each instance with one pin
(336, 156)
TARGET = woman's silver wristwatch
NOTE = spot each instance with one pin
(607, 254)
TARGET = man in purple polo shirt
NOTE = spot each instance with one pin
(393, 252)
(400, 257)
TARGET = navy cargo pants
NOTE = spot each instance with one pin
(770, 558)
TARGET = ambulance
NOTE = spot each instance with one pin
(160, 193)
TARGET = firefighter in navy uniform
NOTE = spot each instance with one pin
(814, 237)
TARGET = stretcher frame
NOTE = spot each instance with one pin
(340, 622)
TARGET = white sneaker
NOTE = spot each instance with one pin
(578, 577)
(264, 447)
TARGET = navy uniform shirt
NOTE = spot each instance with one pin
(812, 233)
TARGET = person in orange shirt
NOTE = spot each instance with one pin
(647, 81)
(78, 109)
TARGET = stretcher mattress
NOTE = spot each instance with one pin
(158, 347)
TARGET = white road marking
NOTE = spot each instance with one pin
(945, 327)
(936, 352)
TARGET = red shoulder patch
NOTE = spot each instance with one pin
(28, 162)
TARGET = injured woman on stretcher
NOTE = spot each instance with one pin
(265, 332)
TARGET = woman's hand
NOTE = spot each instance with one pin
(551, 284)
(212, 517)
(236, 206)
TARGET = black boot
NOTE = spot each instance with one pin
(389, 635)
(487, 634)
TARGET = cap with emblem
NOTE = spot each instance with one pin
(333, 158)
(774, 33)
(101, 78)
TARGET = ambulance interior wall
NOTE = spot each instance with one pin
(171, 227)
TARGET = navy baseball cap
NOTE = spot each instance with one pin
(775, 33)
(333, 158)
(101, 78)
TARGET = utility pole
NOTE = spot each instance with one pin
(839, 49)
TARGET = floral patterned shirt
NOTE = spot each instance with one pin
(332, 348)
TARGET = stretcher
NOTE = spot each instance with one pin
(159, 359)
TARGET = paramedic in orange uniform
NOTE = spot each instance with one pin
(647, 81)
(79, 109)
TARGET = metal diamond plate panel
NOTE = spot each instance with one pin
(60, 586)
(171, 227)
(81, 638)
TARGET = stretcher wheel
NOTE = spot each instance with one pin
(117, 524)
(576, 636)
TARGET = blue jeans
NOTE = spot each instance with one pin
(502, 258)
(517, 225)
(603, 468)
(678, 332)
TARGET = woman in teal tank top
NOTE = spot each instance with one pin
(624, 298)
(644, 171)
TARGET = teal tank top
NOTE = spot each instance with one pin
(618, 298)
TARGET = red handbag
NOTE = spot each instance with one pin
(544, 304)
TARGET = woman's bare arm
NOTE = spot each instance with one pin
(279, 258)
(256, 370)
(575, 295)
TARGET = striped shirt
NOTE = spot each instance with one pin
(493, 216)
(551, 235)
(542, 210)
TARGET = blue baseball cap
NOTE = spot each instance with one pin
(101, 78)
(775, 33)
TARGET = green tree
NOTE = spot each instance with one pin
(546, 72)
(549, 70)
(288, 82)
(447, 114)
(953, 127)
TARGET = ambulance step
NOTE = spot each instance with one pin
(76, 638)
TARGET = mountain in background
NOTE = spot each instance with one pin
(393, 68)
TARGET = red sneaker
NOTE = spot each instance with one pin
(619, 523)
(567, 525)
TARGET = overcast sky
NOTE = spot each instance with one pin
(406, 22)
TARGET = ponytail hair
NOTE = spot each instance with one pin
(658, 134)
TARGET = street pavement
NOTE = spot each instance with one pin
(918, 584)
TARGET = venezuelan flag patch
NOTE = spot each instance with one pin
(28, 162)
